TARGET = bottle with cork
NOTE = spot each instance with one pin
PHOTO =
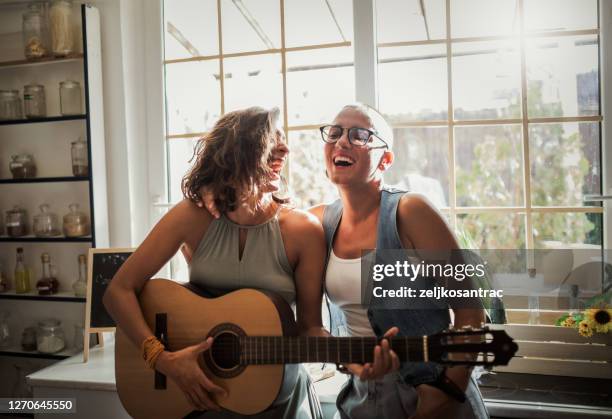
(80, 285)
(22, 274)
(48, 284)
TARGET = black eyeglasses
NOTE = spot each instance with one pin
(357, 136)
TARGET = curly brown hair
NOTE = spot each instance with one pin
(233, 158)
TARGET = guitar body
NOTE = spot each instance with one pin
(189, 319)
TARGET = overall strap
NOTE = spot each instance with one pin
(387, 236)
(331, 220)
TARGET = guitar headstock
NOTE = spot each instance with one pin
(468, 346)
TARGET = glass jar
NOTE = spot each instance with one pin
(10, 105)
(34, 103)
(80, 159)
(70, 98)
(28, 339)
(62, 36)
(5, 333)
(22, 166)
(50, 336)
(76, 223)
(16, 222)
(46, 223)
(34, 30)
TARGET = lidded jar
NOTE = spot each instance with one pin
(34, 103)
(76, 223)
(80, 159)
(22, 166)
(70, 98)
(46, 223)
(50, 336)
(35, 32)
(10, 105)
(16, 222)
(62, 36)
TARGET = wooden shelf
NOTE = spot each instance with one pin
(46, 119)
(34, 239)
(46, 180)
(18, 352)
(59, 297)
(40, 61)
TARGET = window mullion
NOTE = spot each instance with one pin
(365, 52)
(529, 239)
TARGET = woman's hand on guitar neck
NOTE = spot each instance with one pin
(385, 361)
(183, 368)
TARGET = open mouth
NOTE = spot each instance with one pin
(343, 161)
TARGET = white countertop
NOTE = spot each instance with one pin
(96, 374)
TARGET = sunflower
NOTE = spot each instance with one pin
(585, 329)
(599, 319)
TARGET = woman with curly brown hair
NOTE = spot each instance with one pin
(258, 242)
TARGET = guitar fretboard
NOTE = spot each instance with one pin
(293, 350)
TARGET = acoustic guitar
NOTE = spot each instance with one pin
(256, 349)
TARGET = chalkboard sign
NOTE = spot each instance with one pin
(103, 265)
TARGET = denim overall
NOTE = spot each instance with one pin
(394, 396)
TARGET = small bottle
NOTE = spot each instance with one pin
(22, 274)
(48, 284)
(80, 285)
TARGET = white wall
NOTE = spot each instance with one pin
(126, 98)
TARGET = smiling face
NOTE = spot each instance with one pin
(276, 161)
(348, 164)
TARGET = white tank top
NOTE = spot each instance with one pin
(343, 284)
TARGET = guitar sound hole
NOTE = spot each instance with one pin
(225, 350)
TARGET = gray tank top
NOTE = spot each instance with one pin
(217, 267)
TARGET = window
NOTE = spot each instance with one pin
(495, 105)
(490, 103)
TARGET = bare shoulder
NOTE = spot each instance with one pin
(300, 224)
(413, 203)
(185, 215)
(318, 211)
(421, 225)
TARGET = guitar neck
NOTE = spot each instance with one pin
(293, 350)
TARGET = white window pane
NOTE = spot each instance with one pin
(190, 28)
(179, 151)
(486, 80)
(253, 81)
(493, 230)
(308, 183)
(484, 18)
(193, 96)
(319, 83)
(560, 15)
(489, 166)
(421, 163)
(563, 76)
(333, 20)
(405, 21)
(564, 163)
(250, 25)
(567, 230)
(413, 83)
